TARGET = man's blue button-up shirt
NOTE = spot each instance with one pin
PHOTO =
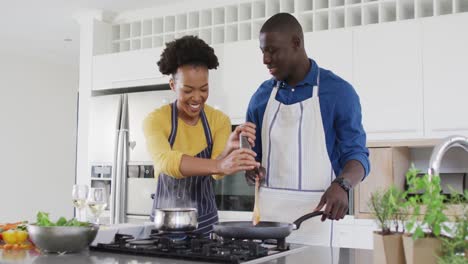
(341, 114)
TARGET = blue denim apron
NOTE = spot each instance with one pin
(196, 191)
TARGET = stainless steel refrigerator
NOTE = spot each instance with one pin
(117, 155)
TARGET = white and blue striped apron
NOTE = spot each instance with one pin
(298, 168)
(196, 191)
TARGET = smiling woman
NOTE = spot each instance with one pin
(191, 86)
(190, 142)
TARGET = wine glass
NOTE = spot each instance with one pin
(97, 202)
(79, 195)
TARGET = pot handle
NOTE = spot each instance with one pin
(301, 219)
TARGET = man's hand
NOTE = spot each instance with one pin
(335, 197)
(336, 201)
(259, 172)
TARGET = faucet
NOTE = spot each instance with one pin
(440, 150)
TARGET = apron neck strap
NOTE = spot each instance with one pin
(275, 90)
(174, 122)
(315, 89)
(206, 128)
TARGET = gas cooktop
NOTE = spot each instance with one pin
(193, 247)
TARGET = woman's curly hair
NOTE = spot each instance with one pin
(188, 50)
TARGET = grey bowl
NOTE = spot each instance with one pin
(62, 239)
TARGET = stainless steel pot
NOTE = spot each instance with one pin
(176, 219)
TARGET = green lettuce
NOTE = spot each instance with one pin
(44, 220)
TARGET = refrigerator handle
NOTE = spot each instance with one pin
(119, 168)
(121, 184)
(114, 177)
(121, 178)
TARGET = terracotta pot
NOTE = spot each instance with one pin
(388, 249)
(422, 251)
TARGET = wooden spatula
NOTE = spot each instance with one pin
(244, 143)
(256, 210)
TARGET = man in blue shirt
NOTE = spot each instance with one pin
(308, 130)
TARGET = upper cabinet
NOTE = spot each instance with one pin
(215, 82)
(408, 74)
(332, 50)
(127, 69)
(445, 54)
(388, 79)
(243, 72)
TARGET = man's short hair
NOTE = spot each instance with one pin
(284, 23)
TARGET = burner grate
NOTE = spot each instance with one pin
(186, 246)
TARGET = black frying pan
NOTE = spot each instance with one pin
(263, 230)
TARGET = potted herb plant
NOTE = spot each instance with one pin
(387, 208)
(427, 219)
(455, 246)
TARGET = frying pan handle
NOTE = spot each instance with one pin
(301, 219)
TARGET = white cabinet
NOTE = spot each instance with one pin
(388, 79)
(332, 50)
(102, 128)
(353, 233)
(445, 54)
(139, 106)
(243, 72)
(127, 69)
(215, 98)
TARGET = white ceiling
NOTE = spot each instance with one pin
(38, 27)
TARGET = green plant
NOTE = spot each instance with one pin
(431, 198)
(454, 246)
(400, 208)
(388, 207)
(43, 220)
(381, 210)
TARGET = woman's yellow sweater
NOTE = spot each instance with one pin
(190, 140)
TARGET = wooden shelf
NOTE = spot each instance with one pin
(389, 165)
(452, 212)
(403, 143)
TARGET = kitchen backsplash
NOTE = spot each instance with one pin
(453, 169)
(454, 161)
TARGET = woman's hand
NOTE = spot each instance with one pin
(247, 129)
(238, 160)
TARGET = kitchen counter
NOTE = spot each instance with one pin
(296, 255)
(305, 254)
